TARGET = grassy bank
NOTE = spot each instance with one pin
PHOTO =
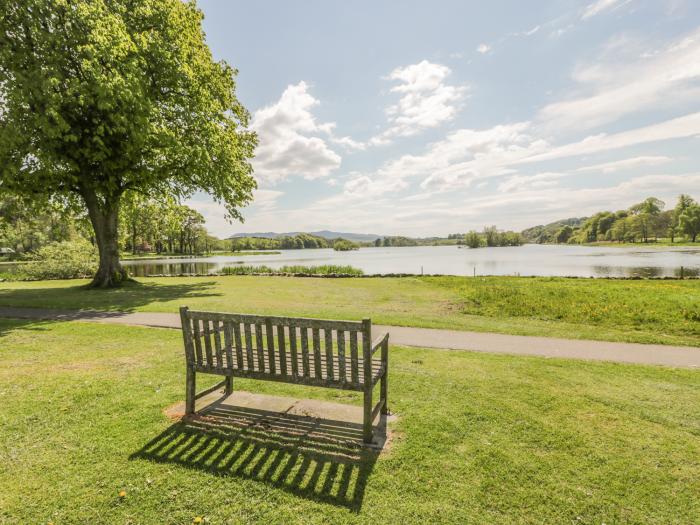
(648, 311)
(480, 439)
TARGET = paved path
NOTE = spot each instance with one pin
(679, 356)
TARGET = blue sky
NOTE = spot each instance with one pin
(427, 118)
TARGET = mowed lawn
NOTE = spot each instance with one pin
(646, 311)
(480, 439)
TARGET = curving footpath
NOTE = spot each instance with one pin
(677, 356)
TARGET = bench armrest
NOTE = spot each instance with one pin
(379, 342)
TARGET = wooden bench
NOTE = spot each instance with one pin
(331, 354)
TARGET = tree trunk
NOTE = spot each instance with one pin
(105, 219)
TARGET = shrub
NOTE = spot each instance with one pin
(246, 269)
(63, 260)
(325, 269)
(342, 245)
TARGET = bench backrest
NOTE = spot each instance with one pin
(324, 350)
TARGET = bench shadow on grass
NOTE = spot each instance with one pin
(317, 459)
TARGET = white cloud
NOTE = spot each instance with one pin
(625, 164)
(266, 199)
(615, 85)
(483, 48)
(600, 6)
(522, 182)
(426, 100)
(364, 186)
(289, 139)
(686, 126)
(467, 155)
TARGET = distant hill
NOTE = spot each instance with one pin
(546, 232)
(326, 234)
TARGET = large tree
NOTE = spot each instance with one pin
(103, 97)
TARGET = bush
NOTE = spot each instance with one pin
(342, 245)
(63, 260)
(245, 269)
(325, 269)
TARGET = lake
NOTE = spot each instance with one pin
(527, 260)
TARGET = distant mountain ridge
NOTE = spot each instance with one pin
(326, 234)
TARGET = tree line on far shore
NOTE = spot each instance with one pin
(646, 221)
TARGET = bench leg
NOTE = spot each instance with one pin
(228, 389)
(190, 385)
(367, 419)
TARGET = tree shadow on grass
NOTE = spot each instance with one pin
(318, 459)
(9, 325)
(127, 298)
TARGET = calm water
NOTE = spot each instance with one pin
(531, 259)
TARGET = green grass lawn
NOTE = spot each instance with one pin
(647, 311)
(480, 439)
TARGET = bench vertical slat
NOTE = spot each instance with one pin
(353, 358)
(281, 349)
(197, 340)
(239, 345)
(259, 351)
(228, 344)
(207, 342)
(305, 351)
(293, 345)
(328, 339)
(270, 346)
(217, 344)
(341, 355)
(317, 353)
(248, 346)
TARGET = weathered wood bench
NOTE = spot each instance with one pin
(331, 354)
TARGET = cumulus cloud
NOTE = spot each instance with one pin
(483, 48)
(292, 142)
(427, 101)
